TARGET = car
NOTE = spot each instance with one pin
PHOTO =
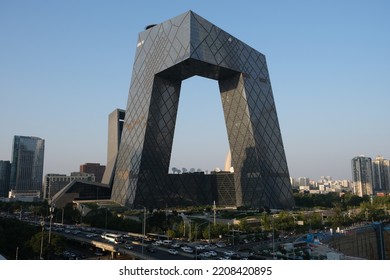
(235, 256)
(128, 247)
(220, 244)
(187, 249)
(175, 245)
(98, 252)
(150, 250)
(205, 255)
(229, 253)
(199, 247)
(213, 253)
(173, 252)
(167, 242)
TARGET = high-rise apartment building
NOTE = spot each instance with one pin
(362, 175)
(27, 164)
(303, 181)
(93, 168)
(381, 174)
(5, 173)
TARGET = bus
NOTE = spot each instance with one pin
(112, 237)
(156, 236)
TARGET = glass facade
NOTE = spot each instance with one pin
(5, 172)
(166, 54)
(27, 163)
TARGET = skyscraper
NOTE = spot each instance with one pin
(362, 175)
(27, 164)
(381, 174)
(5, 172)
(167, 54)
(115, 127)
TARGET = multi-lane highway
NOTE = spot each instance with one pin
(134, 247)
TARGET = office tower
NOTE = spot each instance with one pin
(362, 175)
(167, 54)
(5, 173)
(381, 173)
(115, 127)
(27, 164)
(95, 169)
(386, 164)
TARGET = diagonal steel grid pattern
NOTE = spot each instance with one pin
(168, 53)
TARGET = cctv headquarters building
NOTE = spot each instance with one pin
(167, 54)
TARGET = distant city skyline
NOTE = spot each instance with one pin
(67, 65)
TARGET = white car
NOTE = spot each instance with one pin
(213, 253)
(229, 253)
(173, 251)
(175, 245)
(205, 255)
(199, 247)
(187, 249)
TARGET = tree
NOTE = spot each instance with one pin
(284, 221)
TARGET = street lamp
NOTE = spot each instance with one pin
(273, 238)
(105, 222)
(209, 227)
(233, 237)
(189, 234)
(51, 218)
(143, 230)
(43, 226)
(196, 230)
(196, 235)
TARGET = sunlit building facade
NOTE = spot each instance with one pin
(167, 54)
(115, 127)
(27, 164)
(381, 175)
(362, 175)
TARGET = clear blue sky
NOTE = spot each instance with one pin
(65, 65)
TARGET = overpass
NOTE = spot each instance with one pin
(105, 246)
